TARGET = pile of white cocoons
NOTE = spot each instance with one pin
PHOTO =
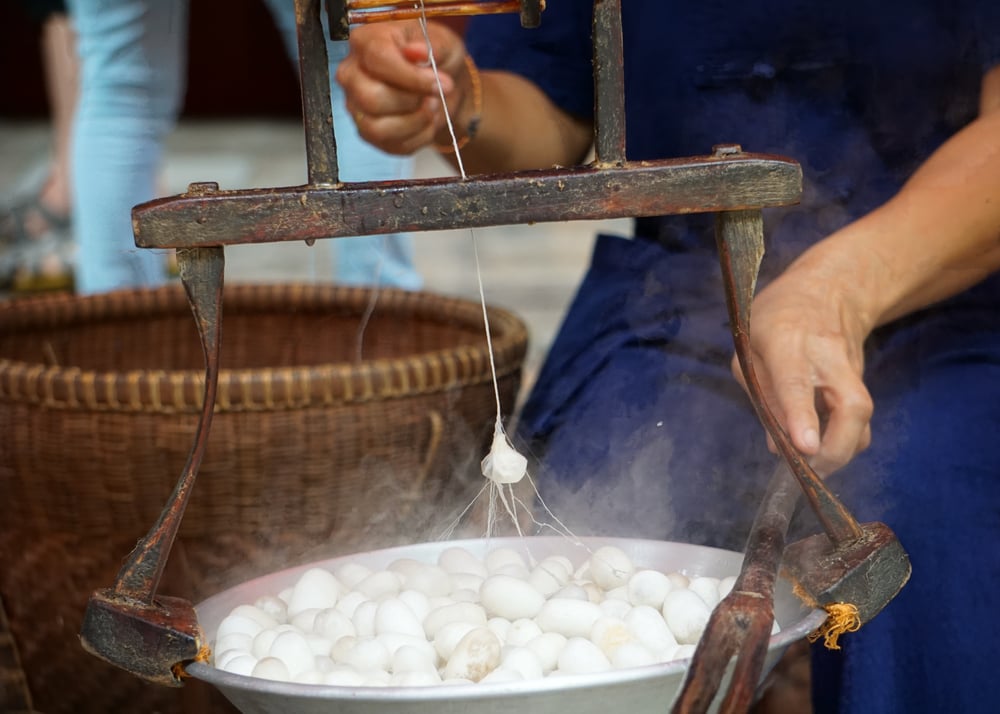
(465, 619)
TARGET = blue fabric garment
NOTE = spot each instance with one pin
(635, 420)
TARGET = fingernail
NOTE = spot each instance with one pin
(810, 440)
(433, 105)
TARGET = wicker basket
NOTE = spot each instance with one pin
(329, 437)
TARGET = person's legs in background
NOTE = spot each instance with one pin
(36, 229)
(378, 259)
(133, 59)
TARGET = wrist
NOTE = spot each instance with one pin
(465, 121)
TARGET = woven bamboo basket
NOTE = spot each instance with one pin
(345, 420)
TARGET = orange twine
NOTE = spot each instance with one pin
(841, 617)
(204, 654)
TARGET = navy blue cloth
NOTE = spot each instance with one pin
(635, 421)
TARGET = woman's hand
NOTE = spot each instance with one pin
(390, 86)
(807, 334)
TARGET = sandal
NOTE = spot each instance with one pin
(33, 262)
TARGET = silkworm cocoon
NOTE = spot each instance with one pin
(686, 615)
(417, 601)
(502, 675)
(234, 641)
(273, 606)
(545, 581)
(341, 648)
(316, 588)
(501, 557)
(465, 596)
(271, 668)
(237, 624)
(500, 627)
(364, 619)
(376, 678)
(459, 612)
(547, 647)
(448, 636)
(310, 676)
(293, 649)
(510, 598)
(609, 634)
(524, 661)
(262, 643)
(594, 593)
(366, 655)
(343, 676)
(513, 570)
(243, 664)
(610, 567)
(649, 628)
(726, 586)
(350, 574)
(285, 595)
(615, 608)
(395, 616)
(394, 641)
(349, 603)
(318, 644)
(572, 591)
(617, 594)
(503, 464)
(477, 654)
(222, 659)
(522, 631)
(581, 656)
(333, 624)
(410, 658)
(707, 589)
(631, 654)
(424, 678)
(465, 581)
(304, 620)
(460, 560)
(648, 587)
(431, 580)
(404, 566)
(678, 580)
(323, 664)
(380, 583)
(571, 618)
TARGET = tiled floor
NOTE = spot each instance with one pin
(532, 270)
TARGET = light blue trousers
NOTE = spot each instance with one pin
(133, 66)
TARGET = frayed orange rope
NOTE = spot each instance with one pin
(204, 654)
(842, 617)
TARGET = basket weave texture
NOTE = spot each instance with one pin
(346, 419)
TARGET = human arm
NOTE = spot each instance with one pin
(938, 236)
(392, 93)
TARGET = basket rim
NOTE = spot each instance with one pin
(256, 389)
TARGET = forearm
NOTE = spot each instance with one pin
(519, 128)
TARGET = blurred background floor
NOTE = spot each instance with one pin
(531, 270)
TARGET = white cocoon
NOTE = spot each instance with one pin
(503, 464)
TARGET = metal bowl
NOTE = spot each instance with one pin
(641, 689)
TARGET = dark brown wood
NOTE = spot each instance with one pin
(740, 625)
(314, 78)
(127, 625)
(740, 241)
(689, 185)
(609, 83)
